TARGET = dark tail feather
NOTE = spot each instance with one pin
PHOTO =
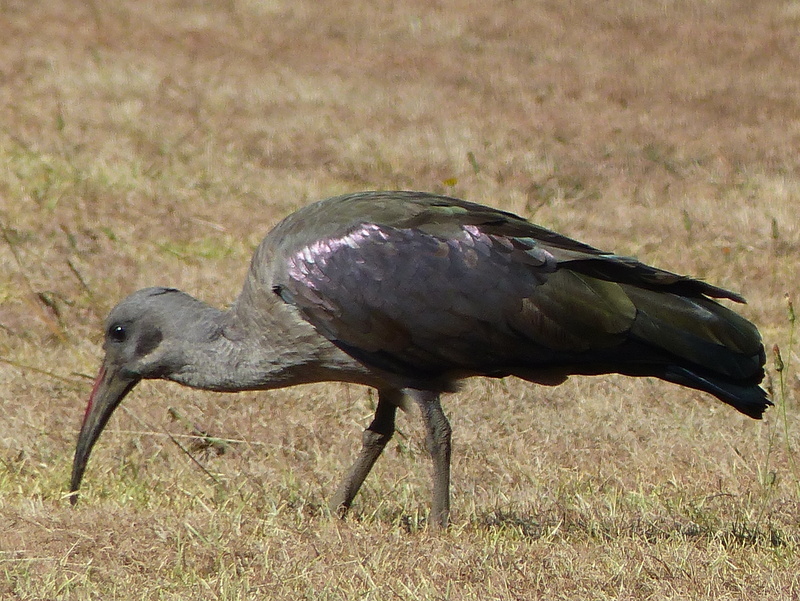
(751, 400)
(714, 349)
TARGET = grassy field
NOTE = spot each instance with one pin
(155, 142)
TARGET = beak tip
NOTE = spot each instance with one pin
(108, 391)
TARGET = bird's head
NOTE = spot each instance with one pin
(139, 343)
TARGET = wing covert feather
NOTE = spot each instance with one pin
(414, 301)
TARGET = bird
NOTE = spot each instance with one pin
(410, 293)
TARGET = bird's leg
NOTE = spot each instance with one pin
(373, 440)
(438, 439)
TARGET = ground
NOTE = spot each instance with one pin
(155, 142)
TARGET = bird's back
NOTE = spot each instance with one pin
(431, 289)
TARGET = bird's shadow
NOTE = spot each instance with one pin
(555, 525)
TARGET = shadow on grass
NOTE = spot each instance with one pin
(569, 526)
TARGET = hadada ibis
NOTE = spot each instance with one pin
(409, 293)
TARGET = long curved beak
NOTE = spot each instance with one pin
(109, 389)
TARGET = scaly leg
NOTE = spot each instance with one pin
(373, 441)
(438, 438)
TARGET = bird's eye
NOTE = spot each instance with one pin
(117, 333)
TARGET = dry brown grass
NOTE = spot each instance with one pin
(155, 142)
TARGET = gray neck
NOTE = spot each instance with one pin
(241, 349)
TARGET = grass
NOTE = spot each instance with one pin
(154, 142)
